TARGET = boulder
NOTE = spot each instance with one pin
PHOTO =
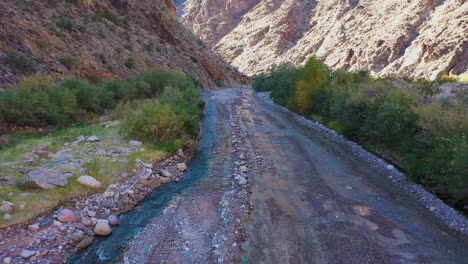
(243, 169)
(85, 242)
(6, 208)
(33, 228)
(93, 139)
(86, 221)
(102, 228)
(7, 182)
(7, 216)
(42, 152)
(135, 143)
(27, 253)
(113, 220)
(180, 152)
(182, 166)
(77, 236)
(89, 181)
(66, 216)
(7, 260)
(45, 179)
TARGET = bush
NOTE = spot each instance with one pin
(20, 62)
(34, 102)
(68, 61)
(65, 24)
(130, 63)
(428, 140)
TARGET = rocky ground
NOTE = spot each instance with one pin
(53, 237)
(207, 224)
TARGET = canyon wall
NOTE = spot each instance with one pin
(418, 38)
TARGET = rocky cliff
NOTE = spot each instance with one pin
(107, 39)
(419, 38)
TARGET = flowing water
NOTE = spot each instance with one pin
(108, 250)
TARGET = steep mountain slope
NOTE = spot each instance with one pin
(111, 38)
(419, 38)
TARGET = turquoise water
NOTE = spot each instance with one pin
(108, 250)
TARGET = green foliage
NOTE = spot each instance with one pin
(65, 23)
(68, 61)
(20, 62)
(130, 63)
(34, 102)
(428, 140)
(172, 121)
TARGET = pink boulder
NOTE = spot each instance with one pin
(66, 216)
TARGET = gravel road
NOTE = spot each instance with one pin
(281, 192)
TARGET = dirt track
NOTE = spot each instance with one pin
(312, 202)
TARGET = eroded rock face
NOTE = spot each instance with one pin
(418, 38)
(102, 36)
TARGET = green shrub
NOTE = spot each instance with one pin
(130, 63)
(34, 102)
(20, 62)
(65, 23)
(68, 61)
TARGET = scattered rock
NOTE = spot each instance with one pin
(91, 213)
(166, 173)
(93, 139)
(89, 181)
(182, 166)
(242, 181)
(45, 179)
(113, 220)
(45, 223)
(29, 161)
(389, 167)
(66, 216)
(42, 152)
(77, 236)
(148, 165)
(33, 227)
(135, 143)
(27, 253)
(180, 152)
(243, 169)
(7, 182)
(7, 260)
(108, 194)
(85, 242)
(432, 208)
(86, 221)
(102, 228)
(6, 208)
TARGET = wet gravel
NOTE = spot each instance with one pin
(451, 217)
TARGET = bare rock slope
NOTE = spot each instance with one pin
(107, 39)
(419, 38)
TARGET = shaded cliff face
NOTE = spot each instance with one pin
(107, 39)
(418, 38)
